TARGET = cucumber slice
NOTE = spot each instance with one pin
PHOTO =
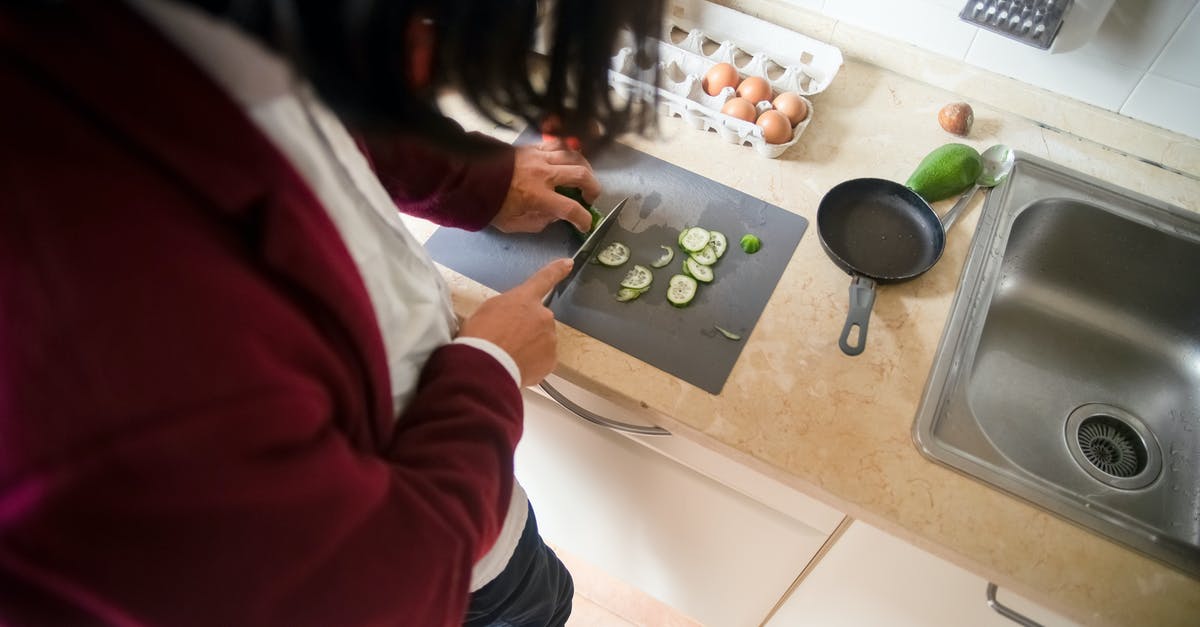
(613, 255)
(626, 294)
(718, 243)
(664, 259)
(638, 278)
(729, 335)
(750, 243)
(697, 270)
(681, 289)
(694, 239)
(706, 256)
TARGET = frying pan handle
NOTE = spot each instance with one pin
(862, 299)
(957, 209)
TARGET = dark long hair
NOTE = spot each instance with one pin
(353, 51)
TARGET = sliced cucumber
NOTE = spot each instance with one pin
(596, 218)
(693, 268)
(626, 294)
(750, 243)
(665, 258)
(718, 243)
(730, 335)
(694, 239)
(613, 255)
(681, 289)
(576, 194)
(706, 256)
(639, 278)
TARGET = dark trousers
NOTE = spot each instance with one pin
(534, 590)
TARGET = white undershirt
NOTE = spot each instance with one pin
(409, 296)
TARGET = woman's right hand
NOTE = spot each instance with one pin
(517, 322)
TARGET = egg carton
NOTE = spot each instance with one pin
(710, 30)
(684, 62)
(680, 94)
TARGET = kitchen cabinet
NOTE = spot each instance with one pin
(871, 578)
(718, 466)
(704, 548)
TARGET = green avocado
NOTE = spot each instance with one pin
(576, 194)
(947, 171)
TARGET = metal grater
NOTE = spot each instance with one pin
(1032, 22)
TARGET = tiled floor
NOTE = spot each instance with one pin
(604, 601)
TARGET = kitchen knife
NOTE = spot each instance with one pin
(585, 251)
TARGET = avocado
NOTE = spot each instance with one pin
(947, 171)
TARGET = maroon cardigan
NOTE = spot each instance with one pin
(194, 406)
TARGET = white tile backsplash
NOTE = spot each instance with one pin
(1150, 45)
(930, 24)
(811, 5)
(1166, 103)
(1180, 60)
(1080, 74)
(1135, 31)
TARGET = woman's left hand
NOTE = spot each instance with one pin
(532, 203)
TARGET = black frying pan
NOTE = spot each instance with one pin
(879, 231)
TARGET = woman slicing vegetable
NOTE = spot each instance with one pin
(232, 387)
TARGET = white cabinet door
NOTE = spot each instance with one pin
(704, 549)
(872, 578)
(717, 466)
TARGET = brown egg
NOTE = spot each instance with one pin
(775, 126)
(754, 89)
(719, 77)
(740, 108)
(791, 105)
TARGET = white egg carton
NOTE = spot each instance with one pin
(681, 95)
(808, 69)
(808, 65)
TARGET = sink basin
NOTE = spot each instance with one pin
(1069, 370)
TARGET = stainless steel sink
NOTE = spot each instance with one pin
(1069, 370)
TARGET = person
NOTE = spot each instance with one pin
(232, 386)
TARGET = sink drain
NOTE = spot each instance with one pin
(1113, 446)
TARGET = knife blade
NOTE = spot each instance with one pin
(581, 256)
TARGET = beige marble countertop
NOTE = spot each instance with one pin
(838, 427)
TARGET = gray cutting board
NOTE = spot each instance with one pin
(663, 199)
